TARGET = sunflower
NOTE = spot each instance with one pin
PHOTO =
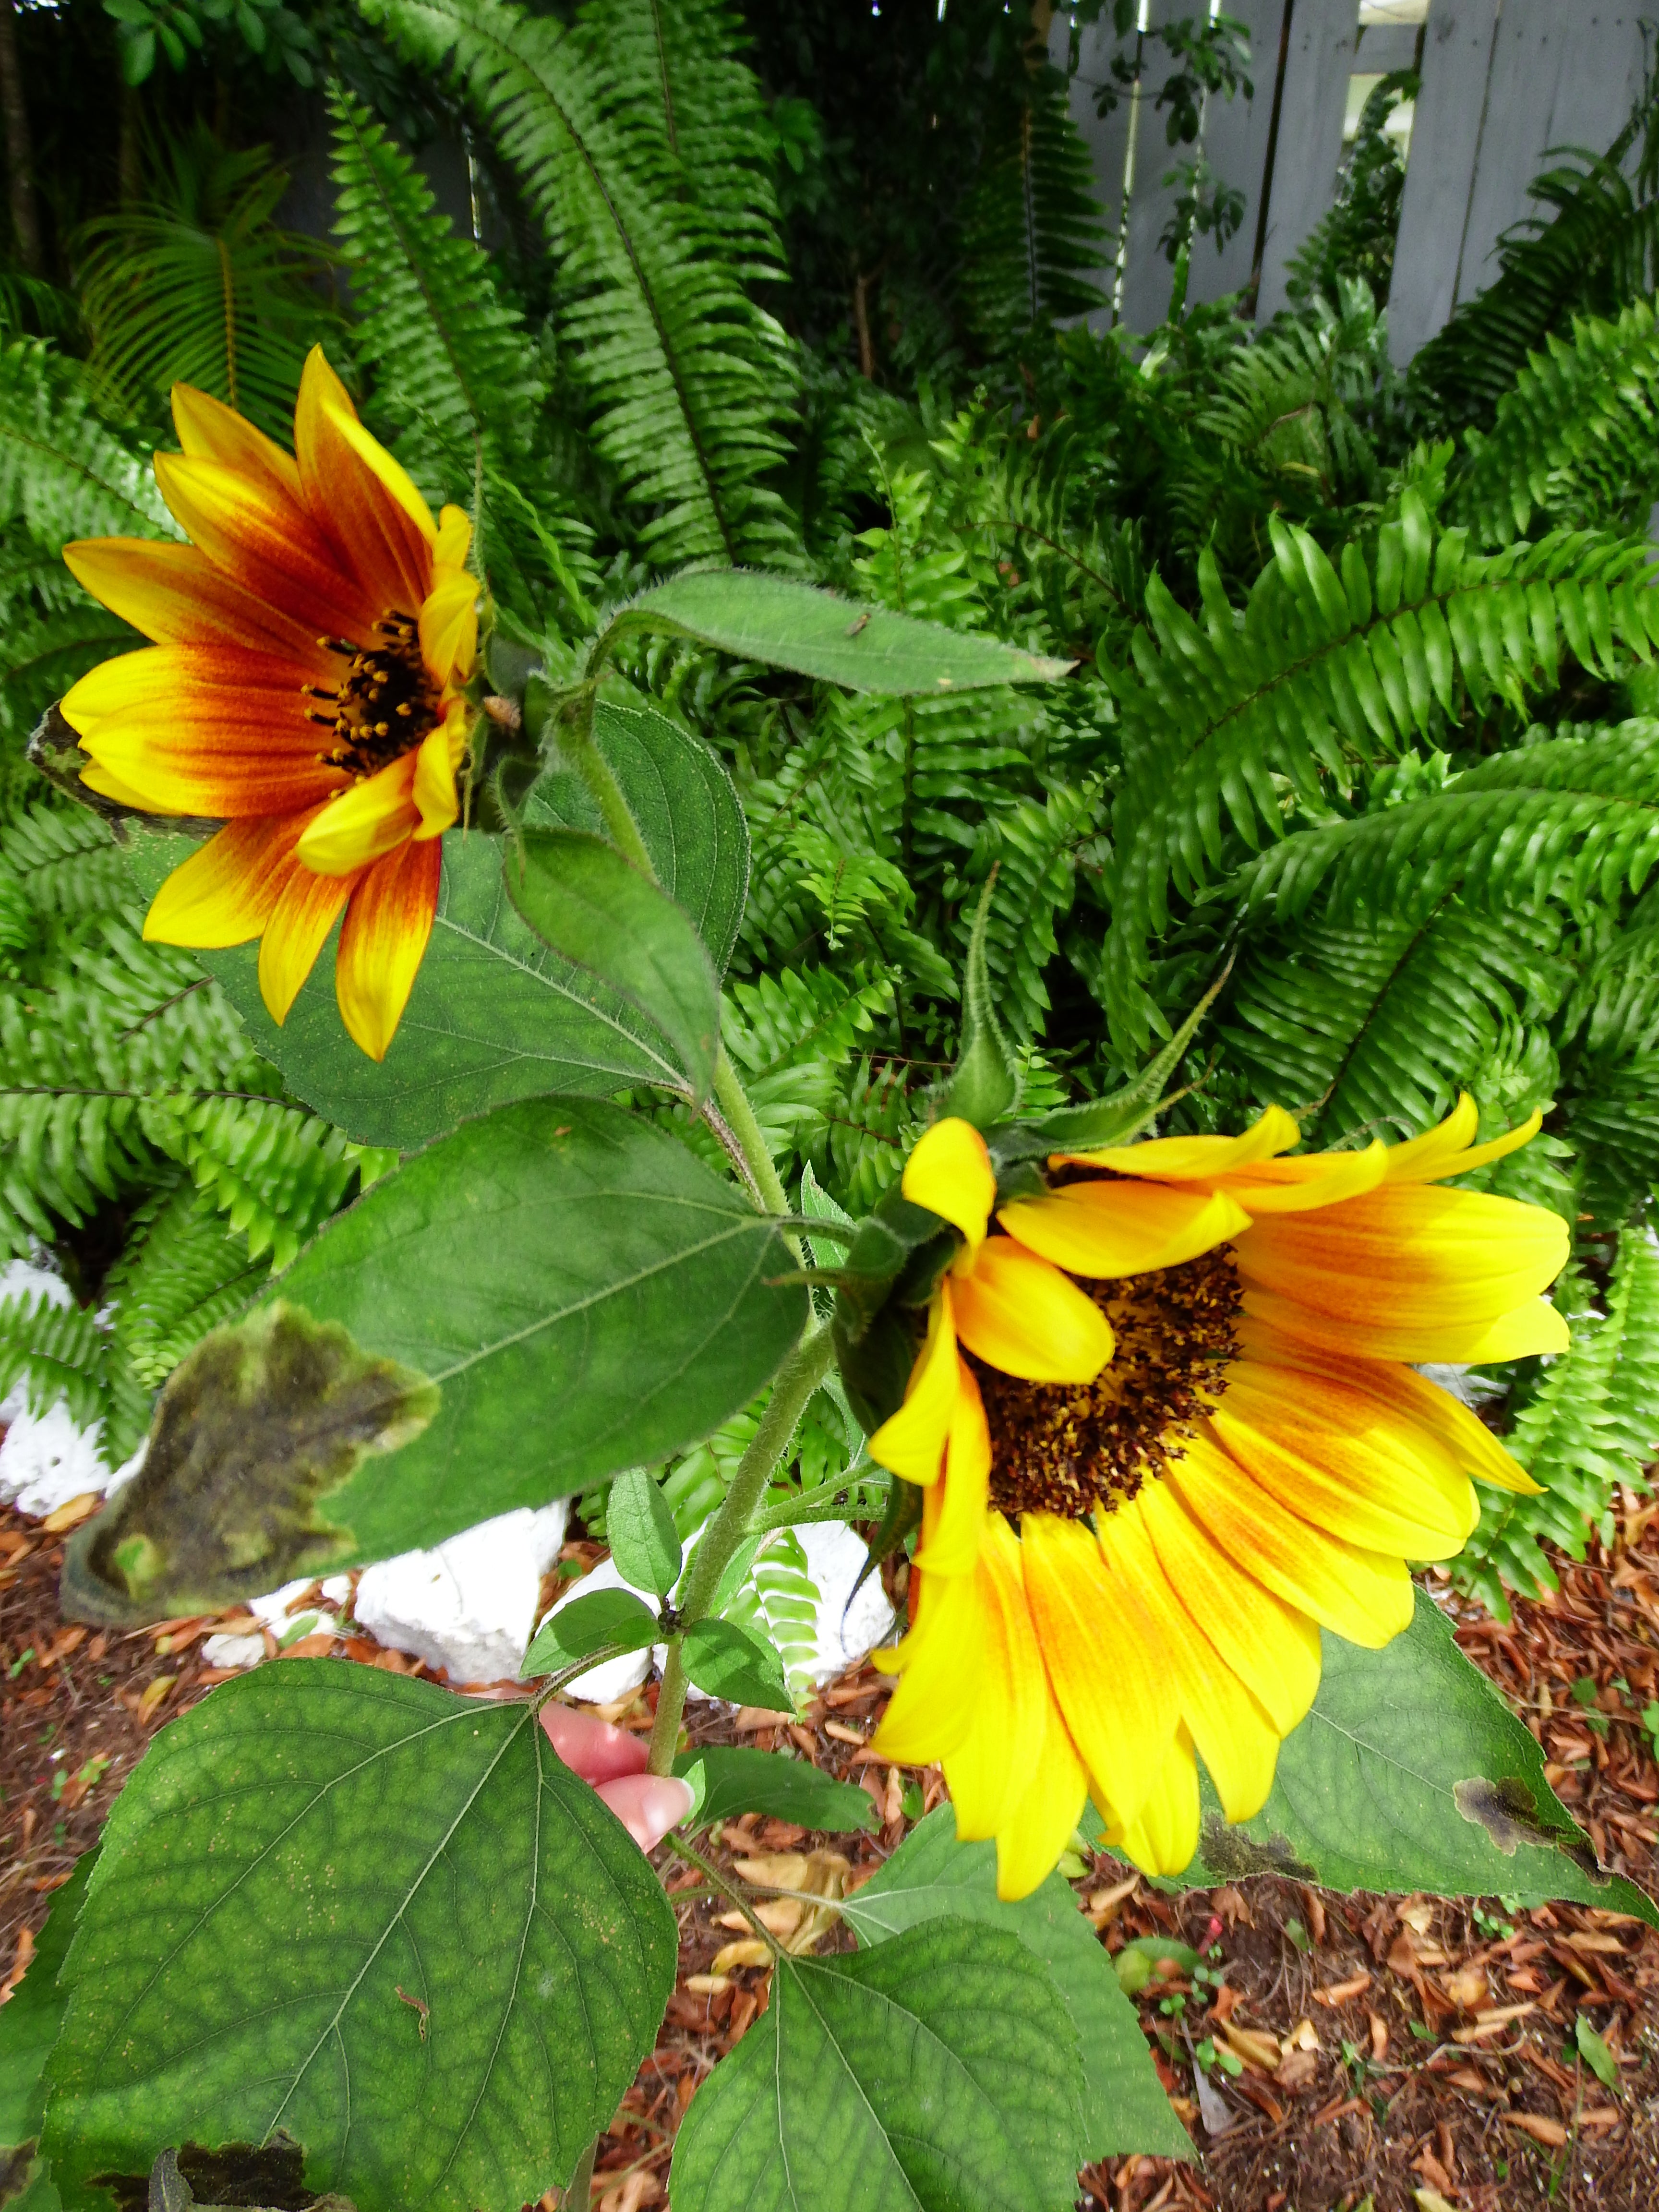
(303, 687)
(1128, 1553)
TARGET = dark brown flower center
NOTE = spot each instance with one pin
(385, 702)
(1068, 1448)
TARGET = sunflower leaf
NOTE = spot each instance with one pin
(644, 1541)
(590, 903)
(1410, 1772)
(735, 1662)
(573, 1288)
(30, 2022)
(937, 2070)
(611, 1619)
(932, 1875)
(743, 1780)
(388, 1919)
(793, 625)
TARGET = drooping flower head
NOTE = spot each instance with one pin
(1125, 1562)
(303, 687)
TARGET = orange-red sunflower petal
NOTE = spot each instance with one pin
(385, 935)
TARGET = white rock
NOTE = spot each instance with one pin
(846, 1633)
(469, 1606)
(233, 1651)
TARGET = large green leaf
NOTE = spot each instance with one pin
(683, 800)
(581, 896)
(388, 1920)
(932, 1875)
(1412, 1773)
(766, 618)
(743, 1780)
(582, 1292)
(495, 1014)
(30, 2023)
(938, 2073)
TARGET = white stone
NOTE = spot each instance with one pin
(233, 1651)
(847, 1632)
(468, 1607)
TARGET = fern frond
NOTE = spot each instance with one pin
(1034, 236)
(276, 1171)
(183, 1272)
(197, 285)
(64, 1354)
(1576, 819)
(63, 861)
(1598, 250)
(63, 469)
(1218, 719)
(1377, 1027)
(44, 654)
(688, 379)
(452, 357)
(1576, 433)
(1591, 1423)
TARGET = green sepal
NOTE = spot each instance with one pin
(1100, 1121)
(985, 1083)
(902, 1516)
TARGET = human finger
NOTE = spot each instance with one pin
(591, 1747)
(647, 1805)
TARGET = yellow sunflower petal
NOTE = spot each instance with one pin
(266, 543)
(1163, 1835)
(225, 892)
(1524, 1333)
(1363, 1595)
(212, 431)
(1336, 1458)
(1122, 1228)
(433, 787)
(1274, 1648)
(1449, 1148)
(454, 540)
(449, 626)
(1318, 1179)
(1404, 1268)
(952, 1545)
(174, 594)
(1015, 1311)
(950, 1173)
(1101, 1648)
(382, 941)
(1036, 1825)
(1239, 1743)
(367, 501)
(1470, 1444)
(109, 785)
(1187, 1159)
(911, 1441)
(296, 933)
(994, 1766)
(932, 1709)
(370, 818)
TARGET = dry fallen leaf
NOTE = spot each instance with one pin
(749, 1952)
(1253, 2044)
(152, 1698)
(73, 1512)
(1467, 1988)
(1534, 2125)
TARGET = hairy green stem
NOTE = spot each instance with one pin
(717, 1883)
(741, 1117)
(797, 1379)
(576, 738)
(817, 1504)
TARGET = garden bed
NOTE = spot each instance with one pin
(1390, 2048)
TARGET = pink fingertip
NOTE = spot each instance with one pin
(592, 1748)
(647, 1805)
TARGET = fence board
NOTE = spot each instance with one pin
(1236, 146)
(1146, 273)
(1320, 60)
(1446, 136)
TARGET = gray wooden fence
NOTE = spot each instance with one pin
(1503, 82)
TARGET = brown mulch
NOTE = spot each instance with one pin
(1381, 2053)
